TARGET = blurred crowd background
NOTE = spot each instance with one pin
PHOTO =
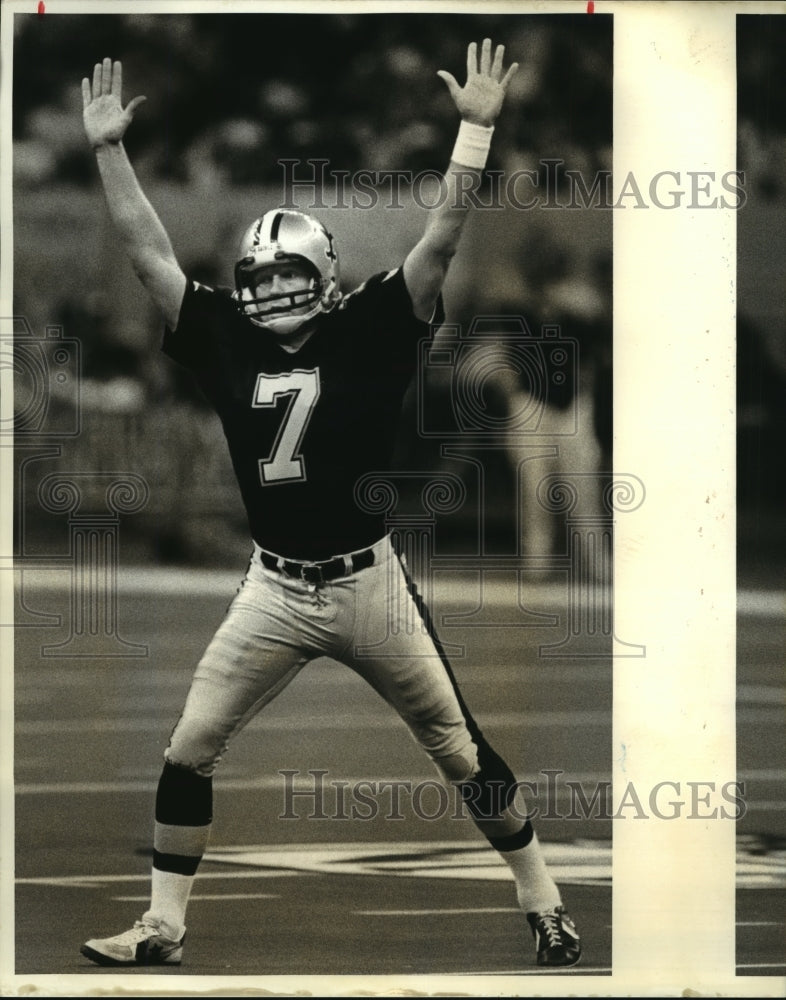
(761, 299)
(229, 96)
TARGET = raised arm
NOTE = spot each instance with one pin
(141, 232)
(479, 102)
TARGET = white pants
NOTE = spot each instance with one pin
(277, 624)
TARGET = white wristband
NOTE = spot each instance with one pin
(472, 145)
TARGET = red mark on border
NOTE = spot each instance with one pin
(41, 7)
(591, 7)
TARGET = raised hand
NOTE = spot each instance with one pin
(480, 99)
(105, 118)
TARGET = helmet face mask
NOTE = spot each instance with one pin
(288, 286)
(287, 272)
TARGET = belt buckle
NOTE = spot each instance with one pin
(307, 568)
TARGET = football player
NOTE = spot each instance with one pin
(308, 384)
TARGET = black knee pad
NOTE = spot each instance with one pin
(184, 798)
(488, 793)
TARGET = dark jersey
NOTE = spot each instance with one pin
(303, 427)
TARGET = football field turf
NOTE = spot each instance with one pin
(334, 850)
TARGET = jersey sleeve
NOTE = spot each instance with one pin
(382, 312)
(204, 313)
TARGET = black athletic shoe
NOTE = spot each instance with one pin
(556, 939)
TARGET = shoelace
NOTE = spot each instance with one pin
(138, 933)
(553, 928)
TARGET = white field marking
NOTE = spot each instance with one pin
(483, 859)
(586, 718)
(774, 880)
(441, 859)
(761, 863)
(572, 970)
(275, 860)
(305, 783)
(763, 965)
(760, 923)
(204, 896)
(761, 603)
(436, 913)
(71, 882)
(96, 881)
(585, 863)
(162, 677)
(154, 580)
(323, 671)
(389, 720)
(760, 694)
(265, 783)
(223, 584)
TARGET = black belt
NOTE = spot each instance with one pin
(319, 572)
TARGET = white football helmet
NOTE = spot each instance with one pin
(279, 236)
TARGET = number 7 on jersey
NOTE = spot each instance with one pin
(285, 463)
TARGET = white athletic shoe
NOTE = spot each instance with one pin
(144, 944)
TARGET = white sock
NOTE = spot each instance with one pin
(171, 890)
(536, 890)
(169, 901)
